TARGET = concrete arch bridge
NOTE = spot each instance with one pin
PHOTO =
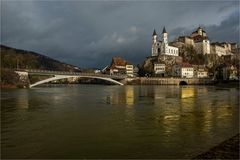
(57, 75)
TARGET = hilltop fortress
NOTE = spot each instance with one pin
(188, 56)
(198, 40)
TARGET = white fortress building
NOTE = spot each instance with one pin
(202, 43)
(198, 39)
(162, 47)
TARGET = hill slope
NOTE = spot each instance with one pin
(22, 59)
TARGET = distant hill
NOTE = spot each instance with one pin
(15, 58)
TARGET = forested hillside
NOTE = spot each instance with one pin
(15, 58)
(12, 58)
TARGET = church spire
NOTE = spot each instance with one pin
(164, 30)
(154, 32)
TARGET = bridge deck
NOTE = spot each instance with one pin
(48, 72)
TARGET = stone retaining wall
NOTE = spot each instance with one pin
(168, 81)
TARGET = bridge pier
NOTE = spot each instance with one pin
(23, 78)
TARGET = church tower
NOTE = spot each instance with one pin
(164, 46)
(154, 44)
(200, 31)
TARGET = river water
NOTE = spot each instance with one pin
(99, 121)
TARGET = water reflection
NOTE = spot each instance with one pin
(126, 96)
(129, 95)
(148, 122)
(22, 99)
(187, 92)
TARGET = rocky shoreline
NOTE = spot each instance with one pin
(228, 149)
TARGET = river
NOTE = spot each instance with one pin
(110, 121)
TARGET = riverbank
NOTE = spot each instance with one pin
(13, 86)
(228, 149)
(138, 81)
(8, 86)
(169, 81)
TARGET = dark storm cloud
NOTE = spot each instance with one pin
(88, 34)
(226, 31)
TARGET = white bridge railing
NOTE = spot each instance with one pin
(49, 72)
(62, 75)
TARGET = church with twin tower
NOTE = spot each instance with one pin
(161, 47)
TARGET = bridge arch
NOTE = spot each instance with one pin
(57, 77)
(183, 83)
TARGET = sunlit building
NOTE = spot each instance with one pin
(201, 41)
(159, 69)
(222, 49)
(162, 47)
(187, 40)
(184, 70)
(119, 66)
(129, 70)
(200, 71)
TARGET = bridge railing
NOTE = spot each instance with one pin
(50, 72)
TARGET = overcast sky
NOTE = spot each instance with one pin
(89, 34)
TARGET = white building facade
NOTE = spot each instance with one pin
(159, 68)
(162, 47)
(219, 50)
(129, 70)
(201, 41)
(202, 74)
(187, 40)
(203, 47)
(183, 71)
(187, 72)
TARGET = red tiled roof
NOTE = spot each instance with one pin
(118, 61)
(199, 38)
